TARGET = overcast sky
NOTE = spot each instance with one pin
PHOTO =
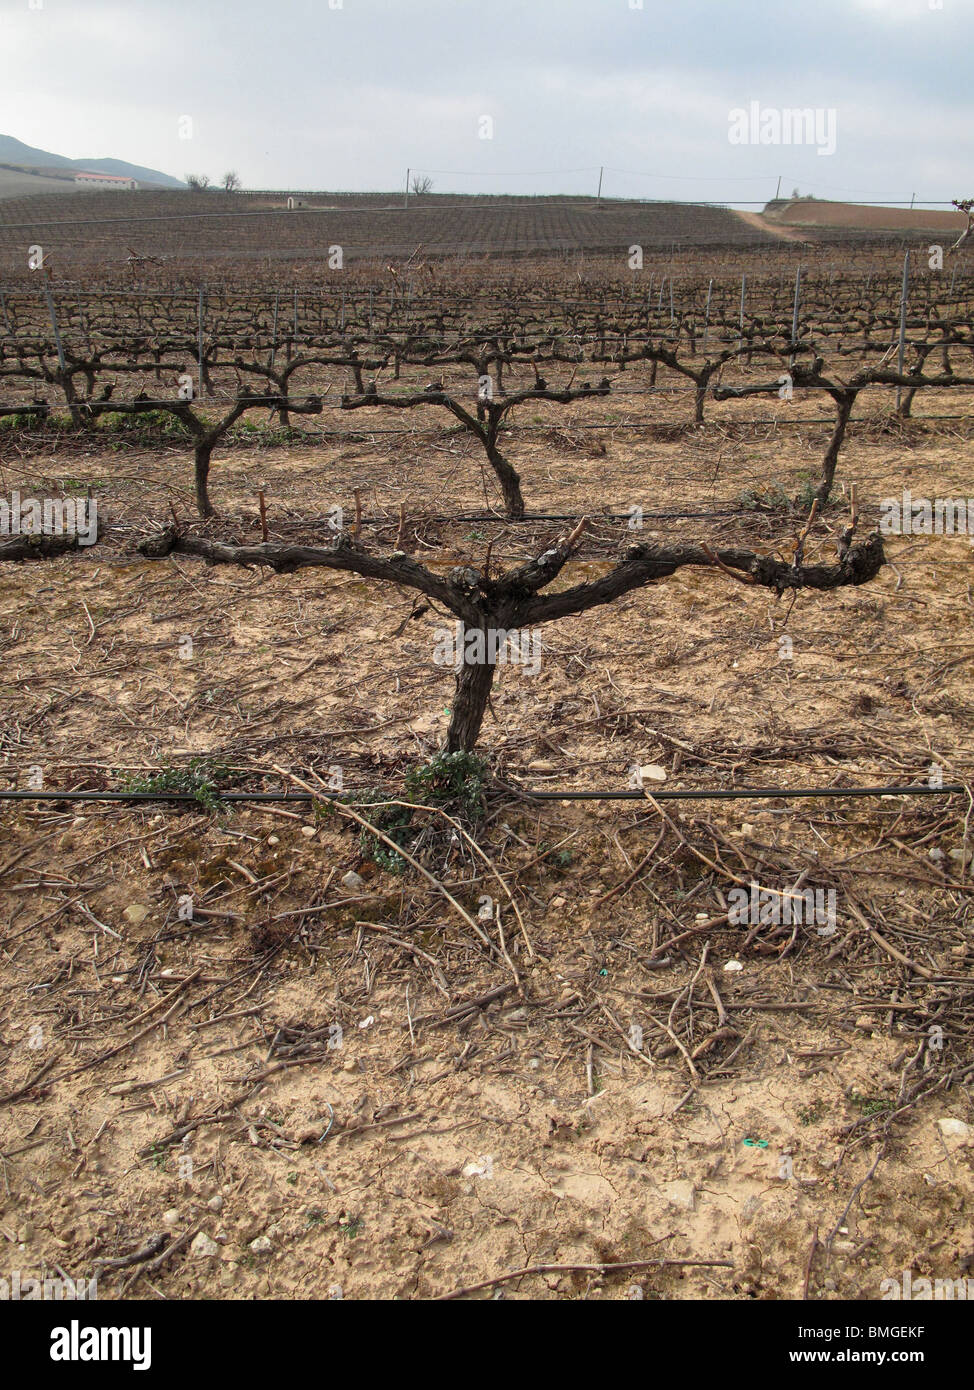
(346, 94)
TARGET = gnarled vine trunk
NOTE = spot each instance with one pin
(474, 681)
(844, 403)
(202, 455)
(510, 481)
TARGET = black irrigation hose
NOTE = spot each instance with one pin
(305, 797)
(755, 792)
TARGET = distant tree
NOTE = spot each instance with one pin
(231, 181)
(421, 184)
(198, 182)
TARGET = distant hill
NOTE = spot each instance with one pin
(829, 216)
(15, 183)
(27, 156)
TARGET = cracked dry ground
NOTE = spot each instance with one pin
(169, 1077)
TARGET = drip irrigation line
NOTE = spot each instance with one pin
(574, 516)
(754, 792)
(707, 794)
(464, 518)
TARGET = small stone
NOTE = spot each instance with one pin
(78, 822)
(653, 772)
(273, 840)
(308, 831)
(750, 1209)
(215, 1203)
(202, 1247)
(680, 1194)
(136, 913)
(261, 1245)
(353, 880)
(732, 967)
(170, 1217)
(955, 1129)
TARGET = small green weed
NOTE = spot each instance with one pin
(199, 777)
(868, 1105)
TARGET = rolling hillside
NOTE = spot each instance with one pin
(819, 213)
(29, 163)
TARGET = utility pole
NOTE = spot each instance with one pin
(599, 195)
(778, 189)
(406, 199)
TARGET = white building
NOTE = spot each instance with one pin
(104, 181)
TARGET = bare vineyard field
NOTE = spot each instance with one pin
(364, 1084)
(92, 230)
(88, 228)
